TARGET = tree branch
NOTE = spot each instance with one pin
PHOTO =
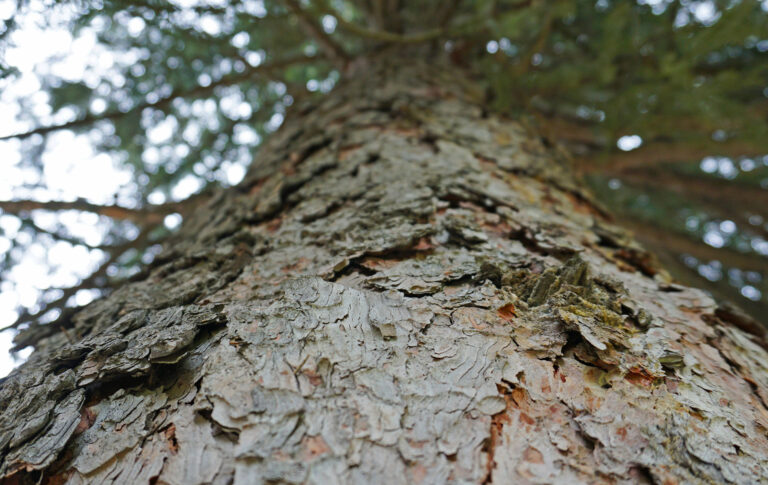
(148, 215)
(378, 12)
(446, 12)
(394, 38)
(152, 214)
(369, 9)
(36, 331)
(57, 236)
(569, 131)
(722, 290)
(658, 152)
(333, 50)
(386, 36)
(538, 45)
(163, 102)
(679, 243)
(722, 192)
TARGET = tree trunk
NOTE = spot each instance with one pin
(405, 289)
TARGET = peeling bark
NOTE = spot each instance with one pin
(405, 289)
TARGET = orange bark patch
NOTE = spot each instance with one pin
(345, 152)
(519, 397)
(288, 170)
(465, 204)
(532, 455)
(697, 415)
(560, 375)
(256, 187)
(378, 263)
(549, 198)
(497, 229)
(57, 479)
(624, 267)
(593, 403)
(486, 163)
(418, 473)
(417, 444)
(672, 384)
(299, 265)
(497, 424)
(314, 377)
(640, 260)
(407, 131)
(667, 478)
(423, 244)
(524, 418)
(170, 436)
(315, 446)
(87, 417)
(639, 377)
(274, 224)
(507, 312)
(585, 206)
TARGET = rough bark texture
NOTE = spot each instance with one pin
(405, 289)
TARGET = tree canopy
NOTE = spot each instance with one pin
(663, 105)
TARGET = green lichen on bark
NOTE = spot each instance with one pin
(394, 295)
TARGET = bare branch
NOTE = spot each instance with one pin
(34, 333)
(152, 214)
(721, 192)
(720, 207)
(148, 215)
(571, 132)
(446, 12)
(156, 213)
(658, 152)
(691, 277)
(56, 235)
(680, 243)
(378, 12)
(369, 9)
(385, 36)
(538, 45)
(395, 38)
(333, 50)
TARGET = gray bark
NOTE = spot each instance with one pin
(405, 289)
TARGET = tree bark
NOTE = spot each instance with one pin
(405, 289)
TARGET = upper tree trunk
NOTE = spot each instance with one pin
(405, 289)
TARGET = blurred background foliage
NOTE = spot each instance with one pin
(116, 119)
